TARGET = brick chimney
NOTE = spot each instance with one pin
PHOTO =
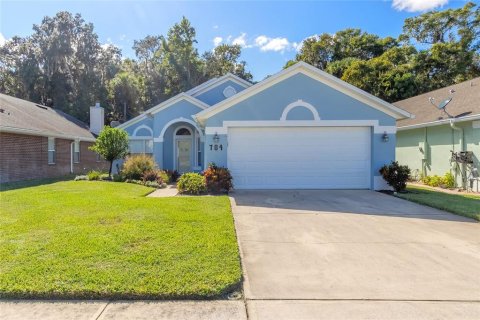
(97, 118)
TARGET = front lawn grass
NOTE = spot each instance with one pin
(461, 204)
(85, 239)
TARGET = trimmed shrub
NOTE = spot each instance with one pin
(396, 175)
(135, 166)
(173, 175)
(94, 175)
(81, 178)
(191, 183)
(158, 176)
(118, 178)
(218, 179)
(449, 180)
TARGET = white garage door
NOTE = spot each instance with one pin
(300, 157)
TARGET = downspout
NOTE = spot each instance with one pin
(71, 156)
(460, 130)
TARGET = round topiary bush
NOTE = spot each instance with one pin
(191, 183)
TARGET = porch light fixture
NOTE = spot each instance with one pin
(385, 137)
(216, 138)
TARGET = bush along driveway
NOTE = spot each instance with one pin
(467, 205)
(85, 239)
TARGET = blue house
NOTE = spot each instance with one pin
(301, 128)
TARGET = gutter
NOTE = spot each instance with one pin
(439, 122)
(44, 134)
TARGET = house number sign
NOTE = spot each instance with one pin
(216, 147)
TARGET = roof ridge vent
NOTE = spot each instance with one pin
(41, 107)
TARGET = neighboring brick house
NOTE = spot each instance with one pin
(41, 142)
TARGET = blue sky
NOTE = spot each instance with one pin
(270, 32)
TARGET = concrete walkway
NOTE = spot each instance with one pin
(138, 310)
(339, 254)
(169, 191)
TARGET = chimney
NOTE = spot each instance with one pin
(97, 118)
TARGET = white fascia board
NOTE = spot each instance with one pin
(302, 67)
(219, 81)
(163, 106)
(200, 86)
(440, 122)
(43, 134)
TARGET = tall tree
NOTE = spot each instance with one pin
(224, 59)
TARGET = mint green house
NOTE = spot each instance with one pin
(425, 142)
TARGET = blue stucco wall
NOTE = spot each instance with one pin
(215, 94)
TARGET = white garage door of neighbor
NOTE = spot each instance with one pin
(300, 157)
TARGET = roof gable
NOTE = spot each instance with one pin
(164, 105)
(310, 71)
(210, 84)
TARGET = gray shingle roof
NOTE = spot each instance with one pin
(21, 115)
(465, 102)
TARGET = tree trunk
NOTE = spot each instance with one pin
(110, 170)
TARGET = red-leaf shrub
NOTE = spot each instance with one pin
(218, 179)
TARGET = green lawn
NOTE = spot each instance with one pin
(82, 239)
(464, 205)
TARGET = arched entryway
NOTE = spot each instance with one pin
(182, 147)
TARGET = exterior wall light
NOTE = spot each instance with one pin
(385, 137)
(216, 138)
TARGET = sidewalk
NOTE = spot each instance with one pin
(139, 310)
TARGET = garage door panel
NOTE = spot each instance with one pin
(300, 157)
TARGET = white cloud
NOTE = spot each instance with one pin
(2, 39)
(217, 41)
(278, 44)
(241, 40)
(417, 5)
(215, 27)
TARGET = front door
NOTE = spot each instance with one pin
(184, 152)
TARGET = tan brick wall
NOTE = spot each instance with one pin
(25, 157)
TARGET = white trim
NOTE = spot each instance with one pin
(143, 126)
(217, 130)
(476, 124)
(317, 74)
(384, 129)
(377, 129)
(181, 119)
(43, 134)
(302, 123)
(300, 103)
(439, 122)
(164, 105)
(218, 81)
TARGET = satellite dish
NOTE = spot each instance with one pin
(444, 103)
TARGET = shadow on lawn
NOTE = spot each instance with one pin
(32, 183)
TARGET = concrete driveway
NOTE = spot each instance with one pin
(344, 254)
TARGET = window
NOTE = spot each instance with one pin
(183, 132)
(199, 153)
(51, 150)
(141, 146)
(76, 151)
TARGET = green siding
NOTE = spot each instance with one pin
(437, 142)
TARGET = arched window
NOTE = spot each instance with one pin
(183, 132)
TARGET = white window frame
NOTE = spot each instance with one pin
(51, 148)
(76, 151)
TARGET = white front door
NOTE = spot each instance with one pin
(300, 157)
(184, 154)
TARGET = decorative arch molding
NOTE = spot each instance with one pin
(303, 104)
(181, 119)
(142, 127)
